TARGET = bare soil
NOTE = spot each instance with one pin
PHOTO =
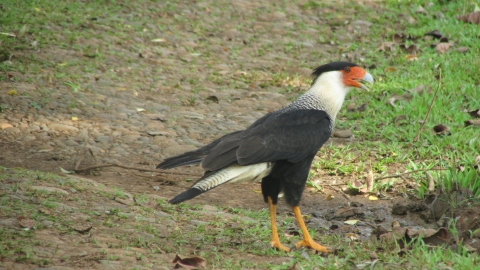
(158, 80)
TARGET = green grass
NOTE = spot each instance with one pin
(382, 143)
(377, 129)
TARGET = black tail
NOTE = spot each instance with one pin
(186, 195)
(193, 157)
(189, 158)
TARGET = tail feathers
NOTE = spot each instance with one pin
(186, 195)
(189, 158)
(196, 156)
(231, 174)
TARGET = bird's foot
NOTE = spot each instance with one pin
(276, 244)
(311, 244)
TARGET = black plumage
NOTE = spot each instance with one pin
(277, 149)
(271, 138)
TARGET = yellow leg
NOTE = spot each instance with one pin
(307, 239)
(273, 219)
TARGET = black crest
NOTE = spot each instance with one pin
(334, 66)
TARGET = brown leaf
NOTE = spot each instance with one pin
(435, 34)
(473, 122)
(362, 107)
(431, 182)
(189, 263)
(386, 46)
(411, 57)
(462, 49)
(421, 10)
(26, 222)
(420, 89)
(441, 129)
(397, 38)
(406, 96)
(473, 17)
(357, 184)
(329, 197)
(443, 47)
(390, 69)
(429, 236)
(369, 181)
(475, 113)
(412, 49)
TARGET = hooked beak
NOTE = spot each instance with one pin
(367, 78)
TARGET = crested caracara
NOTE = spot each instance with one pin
(277, 149)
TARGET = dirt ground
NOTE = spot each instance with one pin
(136, 115)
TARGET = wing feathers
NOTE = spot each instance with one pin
(196, 156)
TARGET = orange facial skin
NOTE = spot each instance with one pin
(352, 76)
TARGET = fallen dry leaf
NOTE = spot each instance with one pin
(390, 69)
(443, 47)
(357, 184)
(386, 46)
(397, 38)
(462, 49)
(329, 197)
(475, 113)
(435, 34)
(431, 182)
(473, 122)
(420, 89)
(441, 129)
(369, 181)
(12, 93)
(421, 10)
(352, 236)
(351, 221)
(412, 49)
(473, 17)
(411, 57)
(26, 222)
(189, 263)
(406, 96)
(429, 236)
(373, 198)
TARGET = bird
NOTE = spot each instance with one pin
(278, 148)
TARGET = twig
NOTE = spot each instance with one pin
(405, 173)
(130, 168)
(417, 137)
(339, 191)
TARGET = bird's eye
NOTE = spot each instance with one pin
(347, 69)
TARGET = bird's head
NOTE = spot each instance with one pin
(350, 75)
(332, 82)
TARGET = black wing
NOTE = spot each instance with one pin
(290, 136)
(196, 156)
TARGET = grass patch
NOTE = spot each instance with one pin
(97, 32)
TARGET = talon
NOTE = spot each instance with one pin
(307, 239)
(311, 244)
(279, 246)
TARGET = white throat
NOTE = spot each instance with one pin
(329, 88)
